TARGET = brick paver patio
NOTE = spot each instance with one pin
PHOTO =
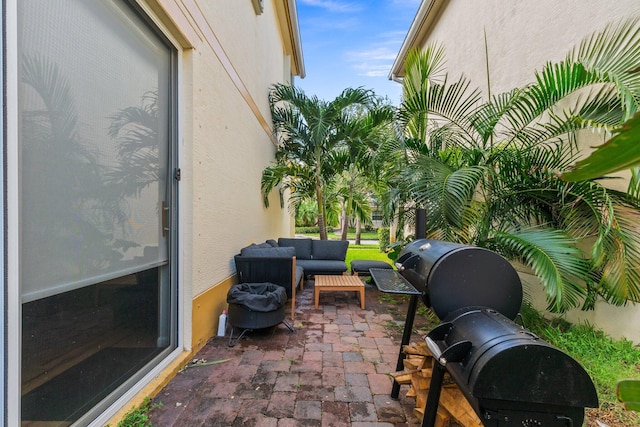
(332, 371)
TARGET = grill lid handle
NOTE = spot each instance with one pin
(454, 353)
(407, 262)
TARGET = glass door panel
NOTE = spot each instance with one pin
(96, 204)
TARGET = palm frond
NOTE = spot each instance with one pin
(422, 67)
(554, 259)
(449, 103)
(614, 51)
(620, 277)
(443, 191)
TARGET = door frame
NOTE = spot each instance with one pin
(10, 378)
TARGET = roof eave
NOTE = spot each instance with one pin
(418, 31)
(290, 12)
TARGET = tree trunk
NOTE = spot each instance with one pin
(358, 231)
(345, 220)
(347, 211)
(322, 211)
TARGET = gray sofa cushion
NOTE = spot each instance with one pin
(329, 249)
(272, 243)
(313, 267)
(279, 252)
(303, 246)
(263, 245)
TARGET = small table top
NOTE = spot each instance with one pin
(337, 281)
(390, 281)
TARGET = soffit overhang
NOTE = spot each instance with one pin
(427, 16)
(287, 14)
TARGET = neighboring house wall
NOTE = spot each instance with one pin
(521, 37)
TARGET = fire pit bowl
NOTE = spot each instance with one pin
(255, 306)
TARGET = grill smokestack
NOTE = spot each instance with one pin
(421, 224)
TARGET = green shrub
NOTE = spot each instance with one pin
(307, 230)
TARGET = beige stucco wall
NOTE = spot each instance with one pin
(229, 57)
(226, 145)
(521, 37)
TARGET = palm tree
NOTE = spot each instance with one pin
(488, 172)
(353, 192)
(366, 133)
(308, 130)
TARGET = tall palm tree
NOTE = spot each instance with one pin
(364, 136)
(308, 131)
(487, 172)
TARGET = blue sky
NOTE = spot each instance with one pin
(352, 43)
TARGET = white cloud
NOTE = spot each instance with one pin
(375, 71)
(376, 54)
(333, 5)
(375, 60)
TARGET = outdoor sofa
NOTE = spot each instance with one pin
(289, 260)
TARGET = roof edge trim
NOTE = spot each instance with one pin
(421, 24)
(297, 41)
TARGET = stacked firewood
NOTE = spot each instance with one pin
(453, 409)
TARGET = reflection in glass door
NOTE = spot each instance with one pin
(97, 204)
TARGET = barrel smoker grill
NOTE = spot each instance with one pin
(509, 376)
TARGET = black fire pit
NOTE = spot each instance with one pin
(255, 306)
(509, 376)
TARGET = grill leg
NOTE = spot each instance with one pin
(433, 398)
(406, 336)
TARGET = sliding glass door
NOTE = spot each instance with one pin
(97, 204)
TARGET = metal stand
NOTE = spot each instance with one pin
(233, 342)
(454, 353)
(406, 337)
(433, 399)
(389, 281)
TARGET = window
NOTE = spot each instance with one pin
(97, 204)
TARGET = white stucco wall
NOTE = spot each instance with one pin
(521, 37)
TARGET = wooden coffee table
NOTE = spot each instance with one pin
(339, 283)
